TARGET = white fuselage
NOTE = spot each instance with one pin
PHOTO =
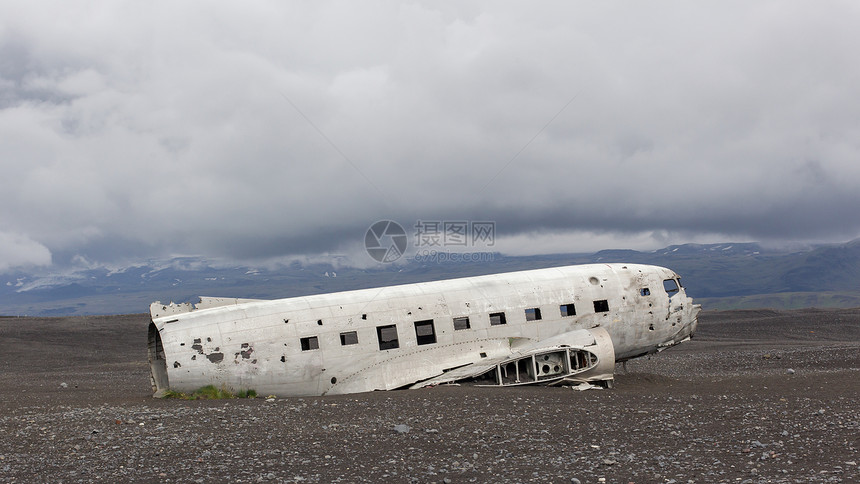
(390, 337)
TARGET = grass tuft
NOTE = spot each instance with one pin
(210, 392)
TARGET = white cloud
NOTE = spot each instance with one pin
(18, 250)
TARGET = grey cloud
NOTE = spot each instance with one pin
(145, 132)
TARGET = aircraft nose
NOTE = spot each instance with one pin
(694, 318)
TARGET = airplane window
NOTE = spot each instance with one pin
(532, 314)
(461, 323)
(601, 306)
(310, 343)
(671, 287)
(349, 338)
(567, 310)
(497, 319)
(424, 332)
(387, 336)
(645, 291)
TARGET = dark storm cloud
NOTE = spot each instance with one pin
(270, 130)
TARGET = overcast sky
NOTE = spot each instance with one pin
(256, 130)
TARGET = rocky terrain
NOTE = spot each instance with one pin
(757, 396)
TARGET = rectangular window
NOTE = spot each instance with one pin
(387, 337)
(601, 306)
(310, 343)
(533, 314)
(349, 338)
(567, 310)
(497, 319)
(461, 323)
(644, 291)
(424, 332)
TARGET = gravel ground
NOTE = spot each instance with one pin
(758, 396)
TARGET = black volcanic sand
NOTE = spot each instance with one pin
(76, 407)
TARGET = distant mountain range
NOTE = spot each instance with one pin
(720, 276)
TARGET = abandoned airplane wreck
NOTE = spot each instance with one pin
(547, 326)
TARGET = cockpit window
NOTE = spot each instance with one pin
(671, 287)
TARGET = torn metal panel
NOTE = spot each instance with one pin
(547, 326)
(578, 356)
(158, 310)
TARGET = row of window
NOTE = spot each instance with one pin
(425, 331)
